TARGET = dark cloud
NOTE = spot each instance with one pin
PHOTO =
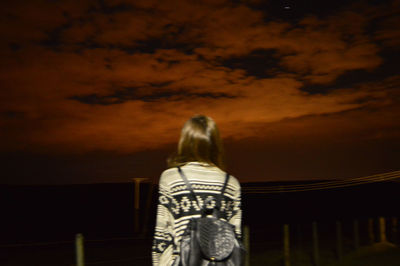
(258, 63)
(133, 94)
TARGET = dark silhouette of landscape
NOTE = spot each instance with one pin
(104, 213)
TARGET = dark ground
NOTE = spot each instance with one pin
(39, 224)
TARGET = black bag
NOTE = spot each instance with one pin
(209, 240)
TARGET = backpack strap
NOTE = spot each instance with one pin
(189, 186)
(220, 196)
(225, 184)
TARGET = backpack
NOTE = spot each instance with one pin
(209, 240)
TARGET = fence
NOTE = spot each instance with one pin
(307, 238)
(300, 244)
(329, 240)
(373, 230)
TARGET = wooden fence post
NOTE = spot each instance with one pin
(371, 235)
(247, 244)
(382, 229)
(286, 245)
(79, 251)
(315, 244)
(339, 248)
(356, 235)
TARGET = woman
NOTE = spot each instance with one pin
(200, 157)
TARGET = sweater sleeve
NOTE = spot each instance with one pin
(163, 242)
(236, 218)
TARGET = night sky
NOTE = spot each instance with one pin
(97, 91)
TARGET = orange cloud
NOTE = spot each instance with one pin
(127, 80)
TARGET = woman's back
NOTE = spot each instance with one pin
(177, 206)
(200, 157)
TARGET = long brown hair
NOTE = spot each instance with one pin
(199, 141)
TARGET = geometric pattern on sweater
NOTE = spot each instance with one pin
(184, 204)
(176, 206)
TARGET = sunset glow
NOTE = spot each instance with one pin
(82, 77)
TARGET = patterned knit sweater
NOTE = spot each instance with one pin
(176, 206)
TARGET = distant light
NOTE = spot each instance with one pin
(287, 7)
